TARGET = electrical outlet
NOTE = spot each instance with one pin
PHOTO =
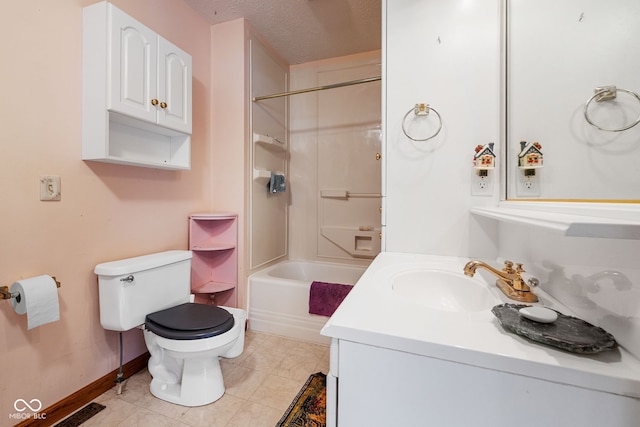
(481, 183)
(528, 183)
(50, 188)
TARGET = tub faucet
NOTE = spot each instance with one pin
(509, 281)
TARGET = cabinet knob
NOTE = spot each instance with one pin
(378, 156)
(163, 105)
(154, 102)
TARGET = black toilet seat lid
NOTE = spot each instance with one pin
(190, 321)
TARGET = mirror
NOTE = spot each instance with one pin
(557, 53)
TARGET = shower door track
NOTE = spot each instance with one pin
(314, 89)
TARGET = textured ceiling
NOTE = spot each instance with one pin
(304, 30)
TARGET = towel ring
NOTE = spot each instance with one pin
(607, 93)
(422, 110)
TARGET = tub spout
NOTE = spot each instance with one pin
(509, 280)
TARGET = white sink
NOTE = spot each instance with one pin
(443, 290)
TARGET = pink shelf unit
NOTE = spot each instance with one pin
(213, 239)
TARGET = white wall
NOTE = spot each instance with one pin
(427, 185)
(446, 54)
(335, 135)
(598, 279)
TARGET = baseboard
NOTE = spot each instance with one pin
(85, 395)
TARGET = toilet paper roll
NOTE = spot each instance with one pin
(38, 299)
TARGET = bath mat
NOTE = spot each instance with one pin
(324, 298)
(82, 415)
(309, 407)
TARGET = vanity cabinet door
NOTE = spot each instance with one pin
(174, 87)
(133, 66)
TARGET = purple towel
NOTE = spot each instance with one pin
(324, 298)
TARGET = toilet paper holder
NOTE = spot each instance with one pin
(6, 294)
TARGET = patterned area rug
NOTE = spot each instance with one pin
(308, 409)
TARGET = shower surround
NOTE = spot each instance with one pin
(329, 215)
(335, 167)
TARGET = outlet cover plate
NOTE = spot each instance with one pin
(481, 185)
(528, 185)
(50, 189)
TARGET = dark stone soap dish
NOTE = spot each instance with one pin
(567, 332)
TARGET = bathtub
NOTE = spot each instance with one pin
(279, 297)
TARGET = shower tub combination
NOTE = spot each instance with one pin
(279, 297)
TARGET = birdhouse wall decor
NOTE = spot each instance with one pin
(484, 157)
(530, 156)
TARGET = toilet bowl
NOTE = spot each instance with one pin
(187, 371)
(185, 340)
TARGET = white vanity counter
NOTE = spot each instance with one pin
(374, 315)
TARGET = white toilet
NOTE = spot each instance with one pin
(185, 340)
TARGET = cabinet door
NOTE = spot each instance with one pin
(174, 87)
(133, 82)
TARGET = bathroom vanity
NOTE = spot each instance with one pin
(406, 351)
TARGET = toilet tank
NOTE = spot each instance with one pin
(129, 289)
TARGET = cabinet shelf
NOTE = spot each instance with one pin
(214, 287)
(213, 240)
(215, 247)
(261, 175)
(604, 220)
(269, 142)
(218, 216)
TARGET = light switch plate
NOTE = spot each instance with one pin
(50, 189)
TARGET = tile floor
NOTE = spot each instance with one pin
(260, 385)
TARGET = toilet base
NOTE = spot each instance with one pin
(188, 372)
(201, 384)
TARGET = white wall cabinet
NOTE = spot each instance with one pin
(137, 93)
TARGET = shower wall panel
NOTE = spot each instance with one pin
(269, 155)
(336, 176)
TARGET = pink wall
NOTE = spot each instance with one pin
(229, 69)
(230, 150)
(106, 212)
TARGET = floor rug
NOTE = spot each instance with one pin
(82, 415)
(308, 409)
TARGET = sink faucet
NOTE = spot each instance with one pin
(509, 281)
